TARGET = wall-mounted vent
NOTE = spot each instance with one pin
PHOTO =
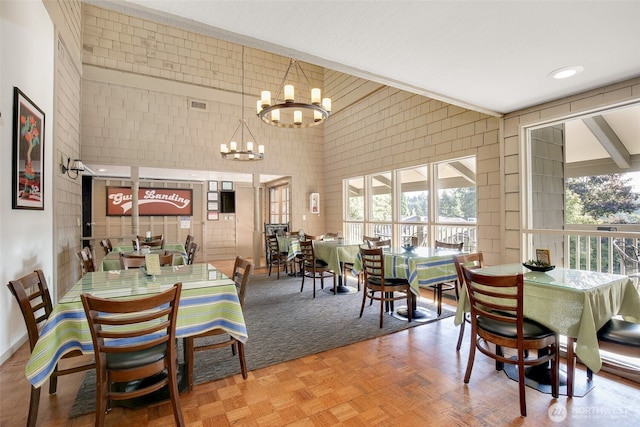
(197, 104)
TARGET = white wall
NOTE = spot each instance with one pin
(26, 236)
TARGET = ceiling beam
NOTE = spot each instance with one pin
(466, 173)
(609, 140)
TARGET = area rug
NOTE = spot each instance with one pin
(284, 324)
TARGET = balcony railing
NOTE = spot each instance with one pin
(590, 248)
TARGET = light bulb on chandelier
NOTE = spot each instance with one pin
(288, 113)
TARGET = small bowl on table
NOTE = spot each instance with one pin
(408, 248)
(539, 268)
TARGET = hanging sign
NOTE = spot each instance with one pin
(151, 201)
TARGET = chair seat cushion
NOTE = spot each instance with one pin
(137, 358)
(618, 331)
(532, 329)
(319, 264)
(389, 281)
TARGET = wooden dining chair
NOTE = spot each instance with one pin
(128, 261)
(439, 288)
(375, 281)
(379, 243)
(315, 268)
(192, 251)
(106, 245)
(32, 294)
(366, 239)
(86, 260)
(617, 336)
(242, 271)
(134, 340)
(278, 259)
(188, 241)
(497, 317)
(155, 242)
(314, 237)
(471, 261)
(166, 259)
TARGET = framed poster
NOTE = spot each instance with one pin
(213, 185)
(212, 206)
(314, 203)
(212, 216)
(226, 186)
(543, 255)
(212, 196)
(28, 153)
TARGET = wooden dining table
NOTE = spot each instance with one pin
(573, 303)
(208, 300)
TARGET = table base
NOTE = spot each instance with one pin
(539, 378)
(341, 289)
(419, 314)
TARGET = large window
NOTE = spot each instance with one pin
(397, 204)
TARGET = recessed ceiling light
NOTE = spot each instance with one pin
(102, 170)
(566, 72)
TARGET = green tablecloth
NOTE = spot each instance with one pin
(111, 261)
(209, 300)
(574, 303)
(335, 253)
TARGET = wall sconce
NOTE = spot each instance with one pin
(76, 167)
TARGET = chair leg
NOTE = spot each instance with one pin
(364, 299)
(101, 400)
(472, 355)
(34, 403)
(555, 369)
(382, 301)
(521, 383)
(461, 334)
(174, 394)
(243, 363)
(188, 344)
(571, 365)
(53, 381)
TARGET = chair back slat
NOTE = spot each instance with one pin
(495, 297)
(32, 294)
(446, 245)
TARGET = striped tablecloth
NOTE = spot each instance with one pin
(289, 245)
(208, 300)
(422, 267)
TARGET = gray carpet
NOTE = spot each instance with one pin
(284, 324)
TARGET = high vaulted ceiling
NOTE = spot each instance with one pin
(490, 56)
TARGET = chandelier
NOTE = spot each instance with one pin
(245, 151)
(285, 112)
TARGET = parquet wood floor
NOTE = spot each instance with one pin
(410, 378)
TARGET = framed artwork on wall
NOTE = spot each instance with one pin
(213, 185)
(28, 153)
(212, 216)
(212, 206)
(212, 196)
(226, 186)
